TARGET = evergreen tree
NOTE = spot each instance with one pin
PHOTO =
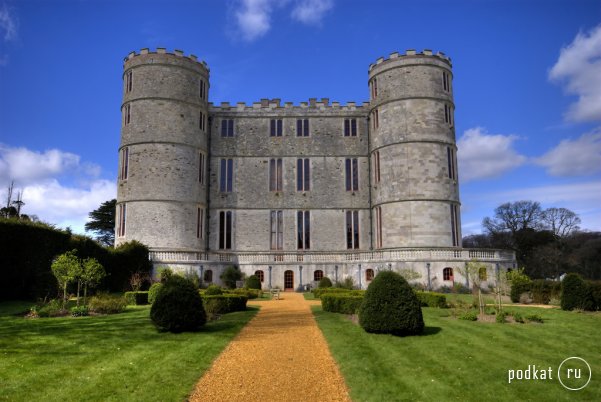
(102, 222)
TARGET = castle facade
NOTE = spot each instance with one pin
(289, 192)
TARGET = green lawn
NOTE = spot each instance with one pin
(117, 357)
(463, 360)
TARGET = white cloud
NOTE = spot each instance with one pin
(8, 23)
(579, 66)
(43, 176)
(311, 11)
(481, 155)
(574, 157)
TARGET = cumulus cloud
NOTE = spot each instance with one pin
(481, 155)
(311, 11)
(254, 17)
(574, 157)
(8, 23)
(46, 180)
(579, 69)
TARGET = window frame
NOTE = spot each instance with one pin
(124, 171)
(303, 230)
(352, 230)
(225, 230)
(302, 128)
(276, 128)
(227, 128)
(226, 175)
(351, 169)
(303, 174)
(276, 239)
(276, 169)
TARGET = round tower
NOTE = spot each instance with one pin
(415, 194)
(163, 157)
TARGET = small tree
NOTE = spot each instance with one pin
(410, 274)
(473, 271)
(253, 282)
(137, 279)
(91, 274)
(66, 268)
(230, 276)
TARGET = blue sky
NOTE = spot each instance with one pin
(527, 82)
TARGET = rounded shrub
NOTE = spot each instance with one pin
(253, 282)
(390, 306)
(153, 291)
(325, 282)
(213, 290)
(573, 292)
(178, 307)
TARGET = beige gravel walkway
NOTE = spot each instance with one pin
(281, 355)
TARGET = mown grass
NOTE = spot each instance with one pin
(462, 360)
(110, 358)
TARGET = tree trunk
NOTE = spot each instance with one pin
(64, 294)
(85, 293)
(78, 288)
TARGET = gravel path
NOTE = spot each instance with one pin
(281, 355)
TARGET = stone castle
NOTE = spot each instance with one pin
(293, 193)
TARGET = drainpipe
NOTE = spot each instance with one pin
(429, 279)
(360, 284)
(300, 270)
(270, 277)
(336, 272)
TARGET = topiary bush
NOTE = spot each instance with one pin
(390, 306)
(213, 290)
(325, 282)
(574, 292)
(230, 276)
(154, 291)
(594, 288)
(105, 303)
(138, 298)
(178, 306)
(341, 303)
(432, 299)
(222, 304)
(253, 282)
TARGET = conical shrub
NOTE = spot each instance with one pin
(391, 307)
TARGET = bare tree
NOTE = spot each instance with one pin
(515, 216)
(561, 221)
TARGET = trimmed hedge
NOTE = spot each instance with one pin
(432, 299)
(223, 304)
(518, 288)
(341, 303)
(138, 298)
(154, 291)
(574, 292)
(253, 282)
(248, 293)
(325, 282)
(178, 306)
(542, 291)
(213, 290)
(107, 304)
(320, 291)
(390, 306)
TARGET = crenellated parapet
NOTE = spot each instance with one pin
(322, 104)
(411, 53)
(163, 54)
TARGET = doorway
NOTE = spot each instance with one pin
(288, 280)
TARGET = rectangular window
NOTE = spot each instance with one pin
(374, 88)
(124, 164)
(352, 174)
(225, 230)
(352, 229)
(302, 127)
(129, 81)
(454, 226)
(303, 175)
(451, 163)
(126, 114)
(275, 175)
(202, 121)
(121, 219)
(275, 126)
(446, 82)
(303, 233)
(201, 168)
(379, 227)
(202, 91)
(448, 115)
(376, 167)
(277, 235)
(199, 222)
(376, 119)
(350, 127)
(226, 176)
(227, 128)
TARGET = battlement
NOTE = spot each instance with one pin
(313, 103)
(411, 53)
(162, 50)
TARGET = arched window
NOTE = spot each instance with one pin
(317, 275)
(447, 274)
(208, 276)
(259, 274)
(369, 274)
(482, 273)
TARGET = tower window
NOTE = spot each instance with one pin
(448, 115)
(225, 230)
(302, 127)
(129, 81)
(202, 89)
(482, 274)
(277, 235)
(121, 219)
(126, 114)
(202, 121)
(369, 274)
(303, 232)
(376, 167)
(208, 276)
(446, 83)
(454, 226)
(447, 274)
(378, 227)
(350, 127)
(352, 174)
(275, 174)
(201, 168)
(199, 222)
(374, 88)
(227, 127)
(318, 275)
(124, 164)
(375, 119)
(275, 126)
(352, 229)
(226, 176)
(303, 175)
(451, 163)
(259, 274)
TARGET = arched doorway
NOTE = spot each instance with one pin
(288, 280)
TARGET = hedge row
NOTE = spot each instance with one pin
(320, 291)
(222, 304)
(139, 298)
(432, 299)
(541, 291)
(341, 303)
(580, 294)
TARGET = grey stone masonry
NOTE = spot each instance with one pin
(292, 191)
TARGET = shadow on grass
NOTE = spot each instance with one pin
(431, 331)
